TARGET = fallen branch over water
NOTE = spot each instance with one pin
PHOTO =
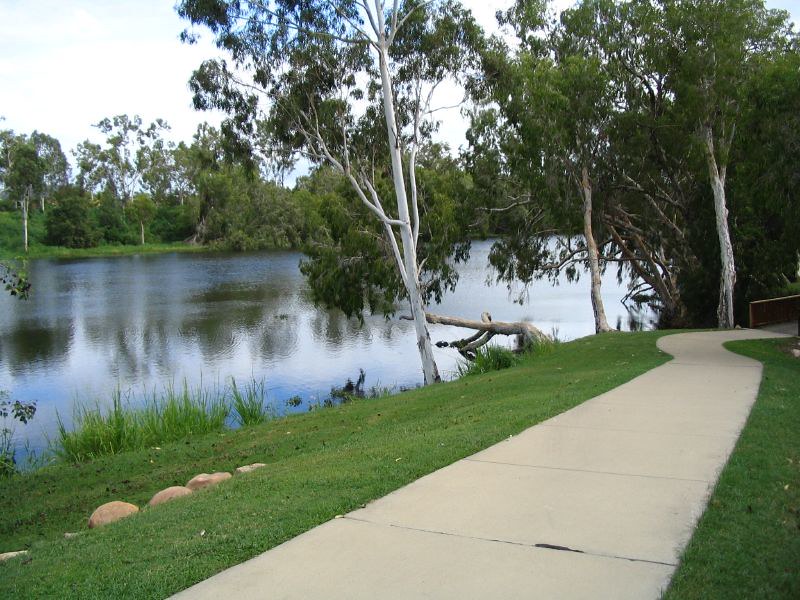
(486, 329)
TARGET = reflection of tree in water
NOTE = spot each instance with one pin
(229, 314)
(333, 328)
(24, 346)
(277, 338)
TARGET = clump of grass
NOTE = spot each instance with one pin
(487, 358)
(164, 417)
(249, 405)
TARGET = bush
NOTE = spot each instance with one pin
(17, 411)
(111, 224)
(173, 223)
(68, 222)
(488, 358)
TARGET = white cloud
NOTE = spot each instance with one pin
(67, 64)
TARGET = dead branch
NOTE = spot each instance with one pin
(485, 330)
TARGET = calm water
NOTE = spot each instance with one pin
(93, 325)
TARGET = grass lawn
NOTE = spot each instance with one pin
(320, 464)
(747, 544)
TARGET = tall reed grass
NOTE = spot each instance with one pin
(493, 358)
(487, 358)
(249, 404)
(161, 417)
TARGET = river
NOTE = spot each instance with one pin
(138, 322)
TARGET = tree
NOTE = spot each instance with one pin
(23, 177)
(349, 84)
(716, 45)
(119, 165)
(557, 103)
(654, 159)
(56, 169)
(142, 208)
(68, 223)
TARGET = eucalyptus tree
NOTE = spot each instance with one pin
(348, 83)
(23, 177)
(56, 168)
(556, 101)
(717, 44)
(651, 179)
(118, 165)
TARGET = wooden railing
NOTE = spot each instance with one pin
(775, 310)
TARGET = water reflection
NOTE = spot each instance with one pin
(140, 322)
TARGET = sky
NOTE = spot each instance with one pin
(67, 64)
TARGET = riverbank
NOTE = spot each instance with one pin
(326, 463)
(320, 464)
(39, 251)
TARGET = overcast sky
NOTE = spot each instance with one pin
(66, 64)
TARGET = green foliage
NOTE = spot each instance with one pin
(579, 91)
(112, 227)
(14, 279)
(174, 223)
(248, 405)
(765, 182)
(68, 222)
(352, 268)
(487, 359)
(250, 214)
(164, 417)
(16, 411)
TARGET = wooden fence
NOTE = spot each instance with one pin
(775, 310)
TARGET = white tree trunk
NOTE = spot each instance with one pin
(411, 276)
(141, 229)
(25, 222)
(728, 272)
(600, 322)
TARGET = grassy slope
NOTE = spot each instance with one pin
(747, 544)
(319, 465)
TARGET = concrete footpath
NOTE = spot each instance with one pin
(597, 502)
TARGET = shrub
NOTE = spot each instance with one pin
(488, 358)
(68, 222)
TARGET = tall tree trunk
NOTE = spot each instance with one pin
(728, 272)
(25, 221)
(141, 229)
(600, 322)
(411, 279)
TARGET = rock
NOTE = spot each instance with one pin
(69, 535)
(204, 480)
(176, 491)
(7, 555)
(248, 468)
(110, 512)
(796, 352)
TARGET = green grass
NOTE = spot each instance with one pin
(747, 544)
(166, 416)
(249, 404)
(41, 251)
(487, 359)
(320, 464)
